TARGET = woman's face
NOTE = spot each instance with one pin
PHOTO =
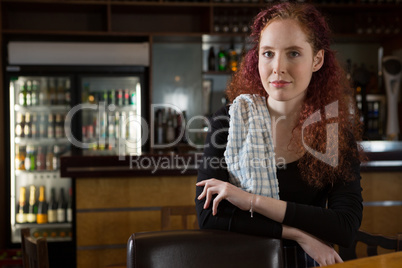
(286, 61)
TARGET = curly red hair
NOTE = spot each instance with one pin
(328, 85)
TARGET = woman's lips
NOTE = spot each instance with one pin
(279, 83)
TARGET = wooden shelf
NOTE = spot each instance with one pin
(161, 17)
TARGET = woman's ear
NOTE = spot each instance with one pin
(318, 60)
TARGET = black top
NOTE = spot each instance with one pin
(306, 205)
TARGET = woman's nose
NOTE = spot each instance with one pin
(279, 65)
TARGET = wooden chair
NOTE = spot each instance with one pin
(185, 212)
(34, 251)
(372, 242)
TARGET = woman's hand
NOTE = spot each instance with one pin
(223, 190)
(317, 249)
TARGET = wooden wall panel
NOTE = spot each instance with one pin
(114, 227)
(109, 210)
(101, 258)
(135, 192)
(382, 186)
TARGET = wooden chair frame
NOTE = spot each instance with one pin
(183, 211)
(34, 251)
(373, 241)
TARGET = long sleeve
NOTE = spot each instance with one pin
(229, 217)
(339, 222)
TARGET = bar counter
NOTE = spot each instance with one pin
(116, 196)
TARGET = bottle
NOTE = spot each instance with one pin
(34, 126)
(49, 158)
(233, 59)
(33, 206)
(120, 97)
(19, 157)
(30, 162)
(52, 209)
(112, 97)
(126, 97)
(56, 157)
(50, 126)
(41, 217)
(170, 131)
(133, 98)
(19, 125)
(21, 216)
(160, 130)
(60, 91)
(29, 93)
(40, 159)
(67, 92)
(62, 207)
(22, 96)
(27, 126)
(58, 126)
(52, 92)
(43, 93)
(222, 60)
(211, 59)
(35, 93)
(42, 126)
(70, 205)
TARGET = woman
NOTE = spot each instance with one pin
(315, 156)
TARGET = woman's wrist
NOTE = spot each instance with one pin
(292, 233)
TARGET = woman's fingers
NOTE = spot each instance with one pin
(211, 187)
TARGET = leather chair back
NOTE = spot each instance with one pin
(202, 248)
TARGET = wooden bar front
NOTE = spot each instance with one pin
(115, 199)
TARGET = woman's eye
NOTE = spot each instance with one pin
(268, 54)
(294, 54)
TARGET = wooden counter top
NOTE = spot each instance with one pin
(384, 156)
(92, 165)
(390, 260)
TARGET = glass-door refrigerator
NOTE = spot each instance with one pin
(54, 110)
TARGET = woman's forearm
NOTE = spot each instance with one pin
(269, 207)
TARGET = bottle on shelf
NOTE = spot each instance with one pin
(126, 97)
(211, 59)
(29, 93)
(22, 209)
(42, 129)
(56, 157)
(233, 59)
(27, 126)
(70, 205)
(19, 125)
(170, 131)
(33, 206)
(49, 158)
(222, 60)
(30, 158)
(40, 159)
(35, 93)
(34, 126)
(19, 157)
(62, 207)
(58, 126)
(133, 97)
(52, 95)
(67, 92)
(22, 95)
(52, 209)
(43, 92)
(50, 126)
(41, 217)
(60, 91)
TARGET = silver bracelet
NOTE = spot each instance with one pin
(251, 206)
